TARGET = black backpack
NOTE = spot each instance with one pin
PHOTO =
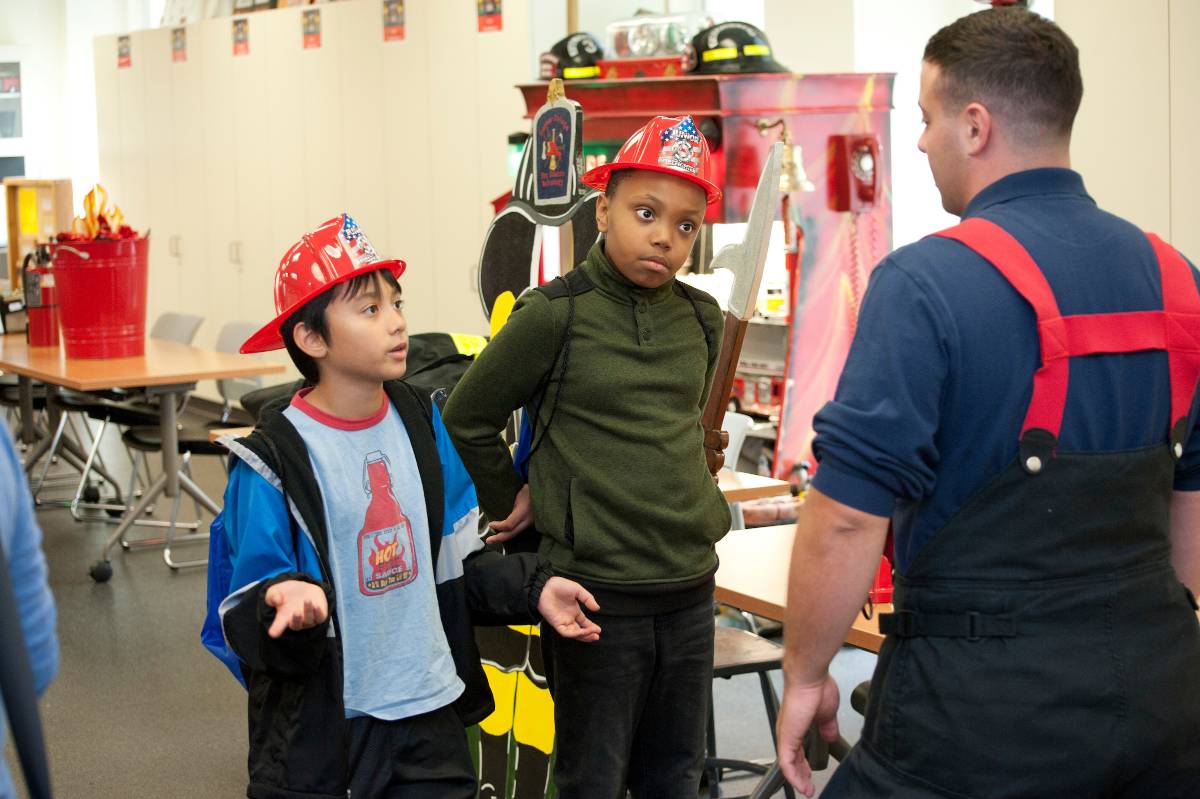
(436, 362)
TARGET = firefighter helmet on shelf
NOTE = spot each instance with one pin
(670, 145)
(333, 253)
(730, 48)
(572, 58)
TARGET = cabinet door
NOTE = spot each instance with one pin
(196, 284)
(408, 165)
(325, 115)
(130, 191)
(154, 49)
(221, 203)
(356, 31)
(253, 136)
(288, 113)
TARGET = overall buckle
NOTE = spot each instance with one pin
(974, 626)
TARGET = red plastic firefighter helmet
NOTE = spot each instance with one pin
(333, 253)
(670, 145)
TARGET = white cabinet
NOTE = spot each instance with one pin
(228, 158)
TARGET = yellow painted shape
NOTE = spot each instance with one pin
(467, 344)
(533, 723)
(501, 310)
(868, 92)
(526, 629)
(504, 691)
(27, 211)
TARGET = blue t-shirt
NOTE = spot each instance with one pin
(930, 404)
(396, 661)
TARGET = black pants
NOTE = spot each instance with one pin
(630, 710)
(423, 757)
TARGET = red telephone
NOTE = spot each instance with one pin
(853, 170)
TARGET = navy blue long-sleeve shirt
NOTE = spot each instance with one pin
(930, 404)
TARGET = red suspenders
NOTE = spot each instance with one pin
(1175, 329)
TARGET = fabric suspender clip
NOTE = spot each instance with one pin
(1037, 449)
(971, 625)
(1179, 436)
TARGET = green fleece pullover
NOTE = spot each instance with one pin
(619, 487)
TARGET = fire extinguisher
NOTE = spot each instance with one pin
(41, 301)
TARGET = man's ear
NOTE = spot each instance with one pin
(976, 128)
(310, 342)
(602, 213)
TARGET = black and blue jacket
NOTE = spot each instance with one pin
(297, 719)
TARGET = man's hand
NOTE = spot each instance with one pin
(559, 605)
(803, 706)
(520, 518)
(298, 606)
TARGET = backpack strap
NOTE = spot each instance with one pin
(695, 296)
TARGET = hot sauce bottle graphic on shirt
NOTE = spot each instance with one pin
(386, 553)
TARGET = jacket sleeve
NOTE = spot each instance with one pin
(504, 589)
(500, 589)
(22, 543)
(260, 541)
(503, 378)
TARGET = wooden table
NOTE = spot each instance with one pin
(218, 433)
(753, 576)
(166, 369)
(742, 486)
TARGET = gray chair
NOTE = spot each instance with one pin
(232, 389)
(178, 327)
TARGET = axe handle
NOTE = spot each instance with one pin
(718, 395)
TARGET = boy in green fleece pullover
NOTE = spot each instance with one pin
(614, 367)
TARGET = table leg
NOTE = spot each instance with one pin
(25, 398)
(167, 484)
(170, 441)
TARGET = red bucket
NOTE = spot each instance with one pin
(102, 296)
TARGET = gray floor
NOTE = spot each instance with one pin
(140, 709)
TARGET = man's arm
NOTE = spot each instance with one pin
(834, 559)
(22, 544)
(1185, 538)
(502, 379)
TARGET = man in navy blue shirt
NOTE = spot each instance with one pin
(1019, 405)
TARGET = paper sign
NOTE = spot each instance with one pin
(241, 36)
(491, 18)
(393, 20)
(179, 44)
(312, 29)
(123, 52)
(27, 211)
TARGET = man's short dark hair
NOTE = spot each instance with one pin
(312, 314)
(1019, 65)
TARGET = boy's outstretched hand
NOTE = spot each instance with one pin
(298, 606)
(520, 518)
(559, 605)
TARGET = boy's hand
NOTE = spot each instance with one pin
(559, 605)
(520, 518)
(298, 606)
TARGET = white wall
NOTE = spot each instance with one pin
(53, 41)
(878, 36)
(1134, 139)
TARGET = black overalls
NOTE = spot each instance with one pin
(1042, 645)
